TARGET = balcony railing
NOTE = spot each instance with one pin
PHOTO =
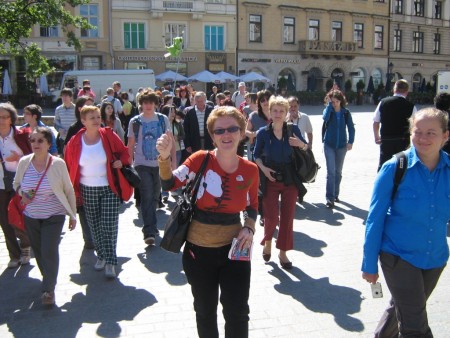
(328, 48)
(178, 6)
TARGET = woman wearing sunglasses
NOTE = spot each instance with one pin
(229, 186)
(13, 145)
(43, 182)
(273, 152)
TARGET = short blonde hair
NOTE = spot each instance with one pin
(88, 109)
(225, 111)
(278, 101)
(432, 113)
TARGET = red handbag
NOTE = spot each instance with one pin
(16, 207)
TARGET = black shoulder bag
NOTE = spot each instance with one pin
(177, 226)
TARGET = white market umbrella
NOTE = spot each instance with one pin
(204, 76)
(170, 76)
(253, 77)
(43, 85)
(226, 77)
(7, 89)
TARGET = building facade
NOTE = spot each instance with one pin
(419, 41)
(308, 42)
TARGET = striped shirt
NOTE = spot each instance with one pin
(64, 118)
(45, 203)
(201, 121)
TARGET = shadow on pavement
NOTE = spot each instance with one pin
(352, 210)
(308, 245)
(318, 213)
(320, 296)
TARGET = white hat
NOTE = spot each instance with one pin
(241, 84)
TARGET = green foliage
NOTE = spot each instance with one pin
(360, 85)
(18, 19)
(348, 85)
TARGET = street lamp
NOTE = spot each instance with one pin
(389, 76)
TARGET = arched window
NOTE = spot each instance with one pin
(287, 80)
(315, 79)
(417, 82)
(376, 77)
(338, 77)
(357, 75)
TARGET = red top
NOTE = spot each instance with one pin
(219, 191)
(114, 149)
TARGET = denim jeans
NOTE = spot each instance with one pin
(335, 161)
(207, 270)
(149, 189)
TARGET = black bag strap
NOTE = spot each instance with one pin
(400, 170)
(196, 183)
(3, 163)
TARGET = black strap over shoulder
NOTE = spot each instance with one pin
(400, 170)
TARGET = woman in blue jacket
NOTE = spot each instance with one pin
(407, 232)
(337, 120)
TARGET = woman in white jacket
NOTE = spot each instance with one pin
(44, 184)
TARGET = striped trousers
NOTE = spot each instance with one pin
(101, 206)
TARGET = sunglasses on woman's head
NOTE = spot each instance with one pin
(231, 130)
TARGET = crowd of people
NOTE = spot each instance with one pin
(167, 135)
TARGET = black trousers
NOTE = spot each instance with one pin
(390, 147)
(410, 288)
(208, 270)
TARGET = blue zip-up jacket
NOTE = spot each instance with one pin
(336, 134)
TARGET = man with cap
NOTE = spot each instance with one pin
(239, 95)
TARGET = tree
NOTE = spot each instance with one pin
(20, 16)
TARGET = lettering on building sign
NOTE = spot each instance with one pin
(288, 61)
(157, 58)
(255, 60)
(216, 57)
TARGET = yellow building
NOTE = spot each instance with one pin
(307, 42)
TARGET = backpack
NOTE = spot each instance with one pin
(137, 125)
(304, 163)
(325, 123)
(401, 165)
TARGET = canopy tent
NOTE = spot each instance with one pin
(7, 89)
(170, 76)
(253, 77)
(226, 77)
(205, 76)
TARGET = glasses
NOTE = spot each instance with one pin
(263, 100)
(38, 140)
(231, 130)
(5, 117)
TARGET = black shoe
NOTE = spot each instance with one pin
(165, 198)
(330, 204)
(88, 245)
(161, 205)
(149, 240)
(337, 200)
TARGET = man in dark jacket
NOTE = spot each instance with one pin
(196, 132)
(392, 114)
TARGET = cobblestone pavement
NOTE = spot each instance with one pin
(322, 296)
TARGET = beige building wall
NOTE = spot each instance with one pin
(322, 59)
(412, 65)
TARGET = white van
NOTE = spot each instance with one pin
(103, 79)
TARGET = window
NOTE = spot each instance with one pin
(313, 31)
(437, 43)
(49, 32)
(336, 31)
(172, 30)
(90, 13)
(378, 37)
(214, 37)
(418, 42)
(358, 35)
(398, 6)
(289, 30)
(438, 10)
(134, 35)
(419, 7)
(397, 40)
(255, 28)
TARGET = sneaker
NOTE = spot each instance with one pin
(13, 263)
(48, 298)
(100, 265)
(330, 204)
(110, 271)
(149, 240)
(25, 255)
